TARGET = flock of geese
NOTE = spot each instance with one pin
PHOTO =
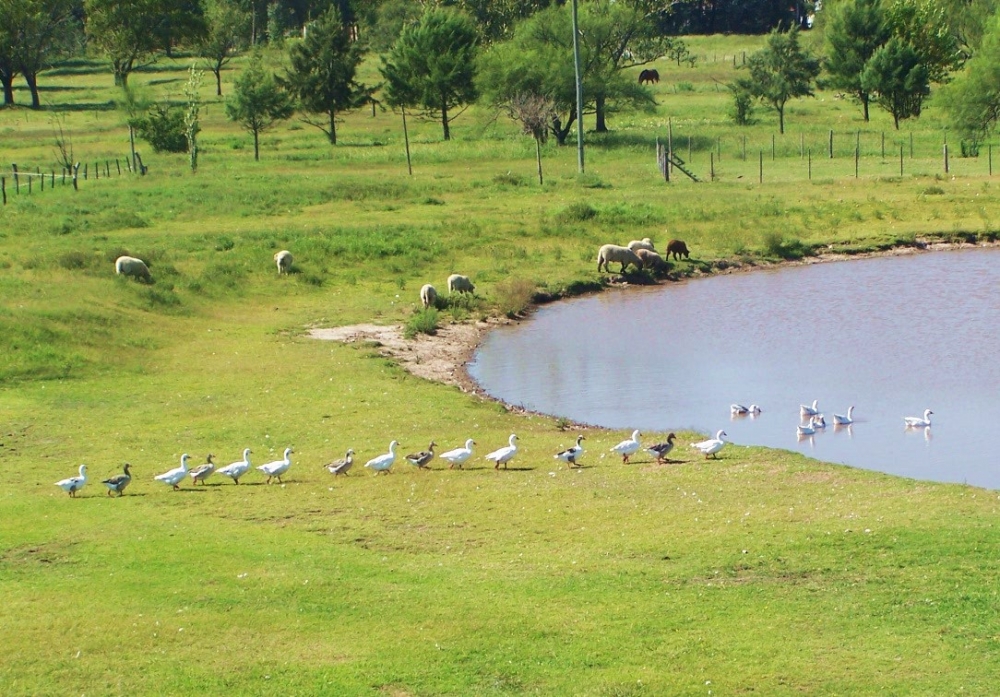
(813, 421)
(382, 463)
(457, 457)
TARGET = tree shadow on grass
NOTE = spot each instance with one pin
(79, 106)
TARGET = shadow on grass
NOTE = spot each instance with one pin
(77, 106)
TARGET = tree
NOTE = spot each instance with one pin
(33, 34)
(125, 30)
(856, 29)
(192, 125)
(538, 61)
(973, 98)
(9, 19)
(898, 78)
(780, 71)
(226, 32)
(924, 26)
(432, 65)
(322, 72)
(257, 102)
(535, 112)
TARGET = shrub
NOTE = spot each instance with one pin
(514, 295)
(424, 321)
(777, 245)
(933, 191)
(741, 110)
(576, 213)
(73, 261)
(163, 128)
(509, 179)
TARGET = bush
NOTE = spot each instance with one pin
(73, 261)
(514, 295)
(163, 128)
(777, 245)
(741, 111)
(424, 321)
(576, 213)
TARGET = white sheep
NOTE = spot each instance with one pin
(132, 268)
(651, 260)
(457, 283)
(644, 243)
(284, 261)
(613, 252)
(428, 295)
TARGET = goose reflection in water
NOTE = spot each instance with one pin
(841, 428)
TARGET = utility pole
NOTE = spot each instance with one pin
(579, 87)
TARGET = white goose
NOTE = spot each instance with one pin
(504, 455)
(176, 475)
(571, 455)
(459, 455)
(628, 447)
(74, 484)
(844, 419)
(805, 410)
(740, 410)
(818, 422)
(712, 445)
(383, 463)
(275, 469)
(917, 422)
(237, 469)
(807, 429)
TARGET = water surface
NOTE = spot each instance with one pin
(890, 335)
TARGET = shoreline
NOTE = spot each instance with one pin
(444, 357)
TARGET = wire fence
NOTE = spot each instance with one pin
(25, 181)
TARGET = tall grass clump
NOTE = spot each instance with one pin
(513, 296)
(424, 321)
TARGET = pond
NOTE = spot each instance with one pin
(891, 335)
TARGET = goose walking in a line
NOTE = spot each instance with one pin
(918, 422)
(343, 465)
(176, 475)
(504, 455)
(202, 472)
(459, 455)
(661, 450)
(383, 463)
(711, 446)
(844, 419)
(237, 469)
(275, 469)
(628, 447)
(117, 483)
(571, 455)
(423, 458)
(72, 485)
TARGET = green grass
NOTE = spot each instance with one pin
(763, 572)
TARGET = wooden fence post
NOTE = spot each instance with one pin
(53, 182)
(107, 169)
(97, 170)
(85, 171)
(119, 166)
(17, 180)
(42, 177)
(76, 175)
(831, 143)
(900, 159)
(711, 166)
(29, 184)
(883, 145)
(810, 164)
(911, 145)
(857, 156)
(946, 158)
(772, 147)
(761, 174)
(670, 144)
(3, 189)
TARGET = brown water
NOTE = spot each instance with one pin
(890, 335)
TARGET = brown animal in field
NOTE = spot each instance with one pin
(650, 75)
(678, 249)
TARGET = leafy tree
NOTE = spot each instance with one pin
(898, 78)
(968, 22)
(855, 30)
(322, 72)
(33, 35)
(973, 99)
(227, 27)
(538, 60)
(432, 65)
(924, 26)
(192, 123)
(181, 21)
(125, 30)
(780, 71)
(257, 102)
(496, 18)
(726, 16)
(9, 18)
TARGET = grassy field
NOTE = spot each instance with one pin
(763, 572)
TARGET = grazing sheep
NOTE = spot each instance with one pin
(651, 260)
(644, 243)
(284, 261)
(613, 252)
(457, 283)
(428, 295)
(133, 268)
(678, 249)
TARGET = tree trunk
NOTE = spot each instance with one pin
(256, 146)
(538, 157)
(864, 105)
(444, 121)
(32, 80)
(781, 119)
(218, 80)
(560, 132)
(8, 89)
(599, 102)
(333, 127)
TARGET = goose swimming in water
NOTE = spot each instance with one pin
(844, 419)
(917, 422)
(740, 410)
(806, 410)
(807, 429)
